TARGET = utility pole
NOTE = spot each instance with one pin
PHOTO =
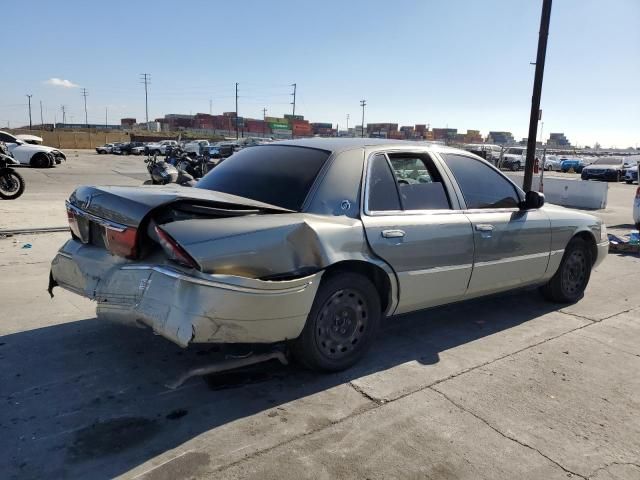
(294, 107)
(236, 110)
(64, 114)
(363, 103)
(106, 116)
(264, 122)
(146, 80)
(545, 19)
(86, 120)
(347, 124)
(541, 129)
(41, 117)
(29, 97)
(210, 106)
(294, 85)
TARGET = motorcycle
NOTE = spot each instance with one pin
(163, 172)
(11, 182)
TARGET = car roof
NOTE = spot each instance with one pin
(336, 145)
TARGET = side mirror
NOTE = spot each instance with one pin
(533, 200)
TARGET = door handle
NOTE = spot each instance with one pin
(393, 233)
(483, 227)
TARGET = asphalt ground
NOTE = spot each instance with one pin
(499, 388)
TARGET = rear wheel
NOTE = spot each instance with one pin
(11, 184)
(571, 279)
(342, 324)
(515, 166)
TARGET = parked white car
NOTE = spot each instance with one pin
(552, 163)
(106, 148)
(160, 148)
(39, 156)
(138, 150)
(514, 158)
(631, 175)
(196, 146)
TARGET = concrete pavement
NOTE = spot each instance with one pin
(499, 388)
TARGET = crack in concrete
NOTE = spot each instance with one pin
(609, 465)
(612, 346)
(508, 437)
(361, 391)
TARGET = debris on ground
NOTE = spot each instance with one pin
(629, 244)
(27, 245)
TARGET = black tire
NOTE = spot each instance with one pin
(515, 166)
(629, 182)
(156, 152)
(335, 344)
(14, 185)
(568, 284)
(618, 177)
(40, 160)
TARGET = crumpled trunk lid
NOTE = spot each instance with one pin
(129, 206)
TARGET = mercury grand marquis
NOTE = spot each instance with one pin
(310, 243)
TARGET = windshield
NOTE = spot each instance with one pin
(275, 174)
(515, 151)
(608, 161)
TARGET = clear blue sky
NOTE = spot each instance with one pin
(460, 63)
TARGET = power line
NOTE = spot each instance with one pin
(146, 79)
(84, 94)
(29, 97)
(363, 103)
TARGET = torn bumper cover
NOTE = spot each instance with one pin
(183, 305)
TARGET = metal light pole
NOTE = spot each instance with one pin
(545, 19)
(363, 104)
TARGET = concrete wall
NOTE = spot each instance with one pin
(62, 139)
(570, 192)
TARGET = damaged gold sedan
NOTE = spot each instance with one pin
(311, 242)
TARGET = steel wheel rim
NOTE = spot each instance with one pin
(9, 184)
(341, 323)
(574, 273)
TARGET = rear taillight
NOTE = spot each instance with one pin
(78, 225)
(174, 250)
(121, 242)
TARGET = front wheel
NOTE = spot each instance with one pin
(515, 167)
(342, 324)
(11, 184)
(571, 279)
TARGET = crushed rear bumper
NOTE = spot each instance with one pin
(185, 305)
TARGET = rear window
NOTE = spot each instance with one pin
(275, 174)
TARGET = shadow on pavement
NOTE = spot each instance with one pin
(86, 398)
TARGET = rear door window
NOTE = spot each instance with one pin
(383, 194)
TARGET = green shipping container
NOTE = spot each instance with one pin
(279, 126)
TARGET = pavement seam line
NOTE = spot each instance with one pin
(377, 403)
(508, 437)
